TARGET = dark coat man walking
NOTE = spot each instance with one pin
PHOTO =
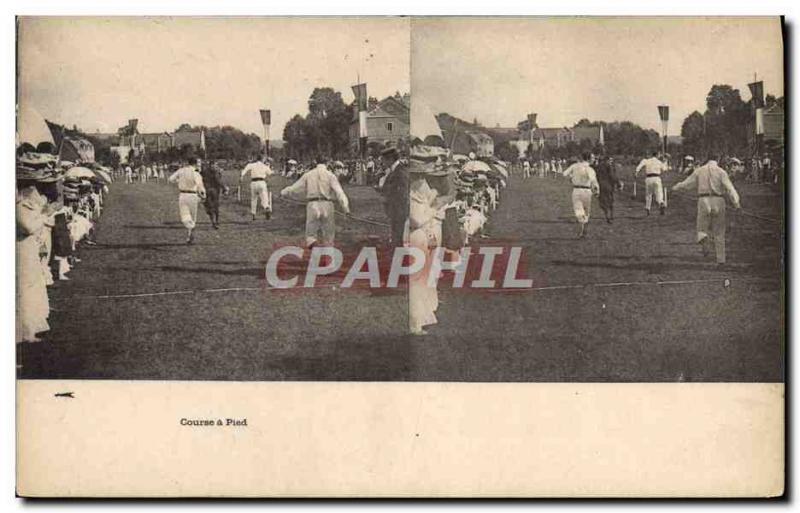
(608, 181)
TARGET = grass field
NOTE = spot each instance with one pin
(616, 323)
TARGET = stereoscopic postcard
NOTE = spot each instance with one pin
(400, 256)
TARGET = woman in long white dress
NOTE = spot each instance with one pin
(33, 308)
(425, 234)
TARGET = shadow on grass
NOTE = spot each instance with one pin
(347, 359)
(658, 267)
(154, 247)
(258, 272)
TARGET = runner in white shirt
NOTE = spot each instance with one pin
(584, 185)
(653, 167)
(713, 186)
(319, 188)
(259, 171)
(191, 191)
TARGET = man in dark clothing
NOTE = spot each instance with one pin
(608, 181)
(395, 194)
(212, 181)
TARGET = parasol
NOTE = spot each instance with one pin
(475, 166)
(103, 175)
(33, 159)
(79, 172)
(500, 169)
(423, 152)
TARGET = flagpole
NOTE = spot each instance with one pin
(755, 118)
(61, 144)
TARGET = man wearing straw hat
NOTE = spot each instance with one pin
(712, 185)
(688, 165)
(319, 188)
(395, 194)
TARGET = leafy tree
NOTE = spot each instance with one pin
(770, 101)
(505, 151)
(324, 131)
(296, 136)
(372, 102)
(227, 142)
(693, 133)
(187, 152)
(113, 159)
(725, 125)
(727, 118)
(329, 120)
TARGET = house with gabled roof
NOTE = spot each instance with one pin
(388, 121)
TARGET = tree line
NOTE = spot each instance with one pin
(324, 131)
(222, 142)
(726, 125)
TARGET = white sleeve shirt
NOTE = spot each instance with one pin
(710, 179)
(257, 169)
(319, 183)
(188, 180)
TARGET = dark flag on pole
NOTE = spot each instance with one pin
(663, 113)
(360, 91)
(757, 90)
(266, 119)
(57, 131)
(70, 144)
(531, 127)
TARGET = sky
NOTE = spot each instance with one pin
(565, 69)
(99, 72)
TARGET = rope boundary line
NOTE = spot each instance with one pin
(532, 289)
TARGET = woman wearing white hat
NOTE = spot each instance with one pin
(33, 307)
(424, 228)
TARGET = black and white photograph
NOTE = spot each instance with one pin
(638, 164)
(379, 256)
(160, 169)
(632, 189)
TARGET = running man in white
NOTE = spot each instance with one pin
(319, 188)
(259, 192)
(584, 185)
(653, 167)
(191, 191)
(712, 185)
